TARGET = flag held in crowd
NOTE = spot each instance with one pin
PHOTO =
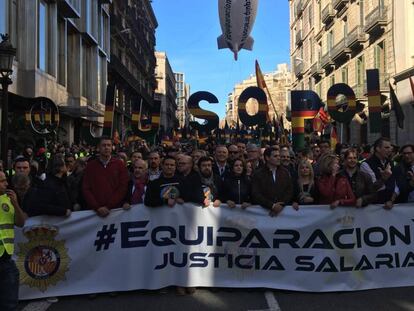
(395, 105)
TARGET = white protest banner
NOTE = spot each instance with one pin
(314, 249)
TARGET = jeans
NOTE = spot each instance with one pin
(9, 285)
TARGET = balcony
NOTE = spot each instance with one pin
(299, 38)
(117, 66)
(341, 50)
(299, 8)
(68, 8)
(384, 86)
(328, 14)
(361, 90)
(327, 62)
(298, 68)
(340, 5)
(316, 70)
(376, 20)
(356, 38)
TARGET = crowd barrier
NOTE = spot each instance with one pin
(315, 249)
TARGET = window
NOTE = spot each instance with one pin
(103, 31)
(13, 24)
(345, 28)
(85, 69)
(320, 14)
(311, 47)
(310, 15)
(62, 51)
(344, 73)
(319, 89)
(42, 47)
(380, 59)
(330, 41)
(3, 16)
(331, 80)
(360, 70)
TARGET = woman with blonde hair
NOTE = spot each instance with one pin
(304, 187)
(333, 188)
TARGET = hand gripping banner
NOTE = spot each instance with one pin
(315, 249)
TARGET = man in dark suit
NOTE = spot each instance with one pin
(221, 166)
(272, 185)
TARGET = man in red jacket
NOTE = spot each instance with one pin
(105, 182)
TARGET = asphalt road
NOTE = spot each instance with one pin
(394, 299)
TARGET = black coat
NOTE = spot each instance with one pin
(192, 190)
(236, 189)
(403, 182)
(50, 198)
(226, 172)
(161, 189)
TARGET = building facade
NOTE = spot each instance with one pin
(62, 53)
(403, 31)
(278, 83)
(166, 93)
(336, 41)
(183, 93)
(132, 63)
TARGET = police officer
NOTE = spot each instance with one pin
(10, 215)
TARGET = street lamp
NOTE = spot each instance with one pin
(7, 54)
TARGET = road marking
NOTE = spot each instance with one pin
(37, 306)
(271, 302)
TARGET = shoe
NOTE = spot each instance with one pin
(52, 299)
(190, 290)
(180, 291)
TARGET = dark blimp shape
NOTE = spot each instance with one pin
(236, 21)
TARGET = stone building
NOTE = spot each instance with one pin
(403, 32)
(335, 41)
(132, 62)
(183, 93)
(62, 54)
(166, 93)
(278, 83)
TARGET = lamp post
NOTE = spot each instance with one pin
(7, 54)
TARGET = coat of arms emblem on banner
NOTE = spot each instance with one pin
(42, 261)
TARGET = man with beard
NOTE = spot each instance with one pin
(154, 161)
(404, 173)
(211, 183)
(360, 182)
(287, 163)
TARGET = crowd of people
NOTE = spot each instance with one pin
(102, 178)
(237, 174)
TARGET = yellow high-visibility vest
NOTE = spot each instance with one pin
(6, 225)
